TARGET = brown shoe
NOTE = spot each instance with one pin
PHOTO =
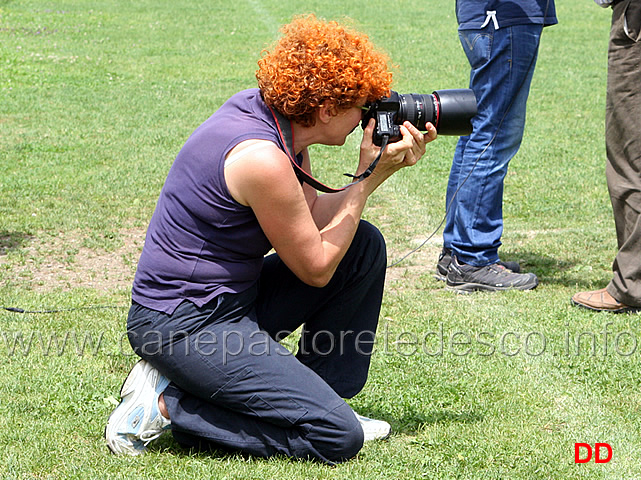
(601, 301)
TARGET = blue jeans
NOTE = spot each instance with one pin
(502, 64)
(233, 386)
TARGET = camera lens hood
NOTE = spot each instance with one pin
(457, 107)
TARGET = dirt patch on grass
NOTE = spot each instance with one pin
(63, 262)
(49, 263)
(408, 264)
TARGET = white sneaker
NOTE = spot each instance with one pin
(373, 429)
(137, 420)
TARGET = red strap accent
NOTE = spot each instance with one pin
(287, 137)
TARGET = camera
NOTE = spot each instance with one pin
(450, 111)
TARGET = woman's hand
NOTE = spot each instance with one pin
(405, 152)
(416, 141)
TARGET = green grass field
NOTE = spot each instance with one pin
(96, 98)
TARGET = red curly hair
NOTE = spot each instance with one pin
(316, 62)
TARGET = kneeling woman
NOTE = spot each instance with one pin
(209, 308)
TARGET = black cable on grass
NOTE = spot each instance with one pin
(60, 310)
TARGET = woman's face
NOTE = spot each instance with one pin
(345, 122)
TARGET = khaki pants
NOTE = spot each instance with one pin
(623, 143)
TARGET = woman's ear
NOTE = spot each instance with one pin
(325, 112)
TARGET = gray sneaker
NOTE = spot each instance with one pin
(137, 420)
(373, 429)
(445, 258)
(468, 278)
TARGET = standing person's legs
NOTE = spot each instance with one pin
(623, 142)
(623, 168)
(502, 63)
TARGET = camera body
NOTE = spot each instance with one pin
(450, 111)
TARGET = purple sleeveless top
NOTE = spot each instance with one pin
(201, 242)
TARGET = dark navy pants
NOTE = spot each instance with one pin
(234, 386)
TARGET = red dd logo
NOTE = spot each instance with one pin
(586, 450)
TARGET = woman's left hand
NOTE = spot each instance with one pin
(416, 141)
(402, 153)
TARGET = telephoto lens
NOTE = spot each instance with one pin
(450, 111)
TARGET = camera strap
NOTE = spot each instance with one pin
(286, 132)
